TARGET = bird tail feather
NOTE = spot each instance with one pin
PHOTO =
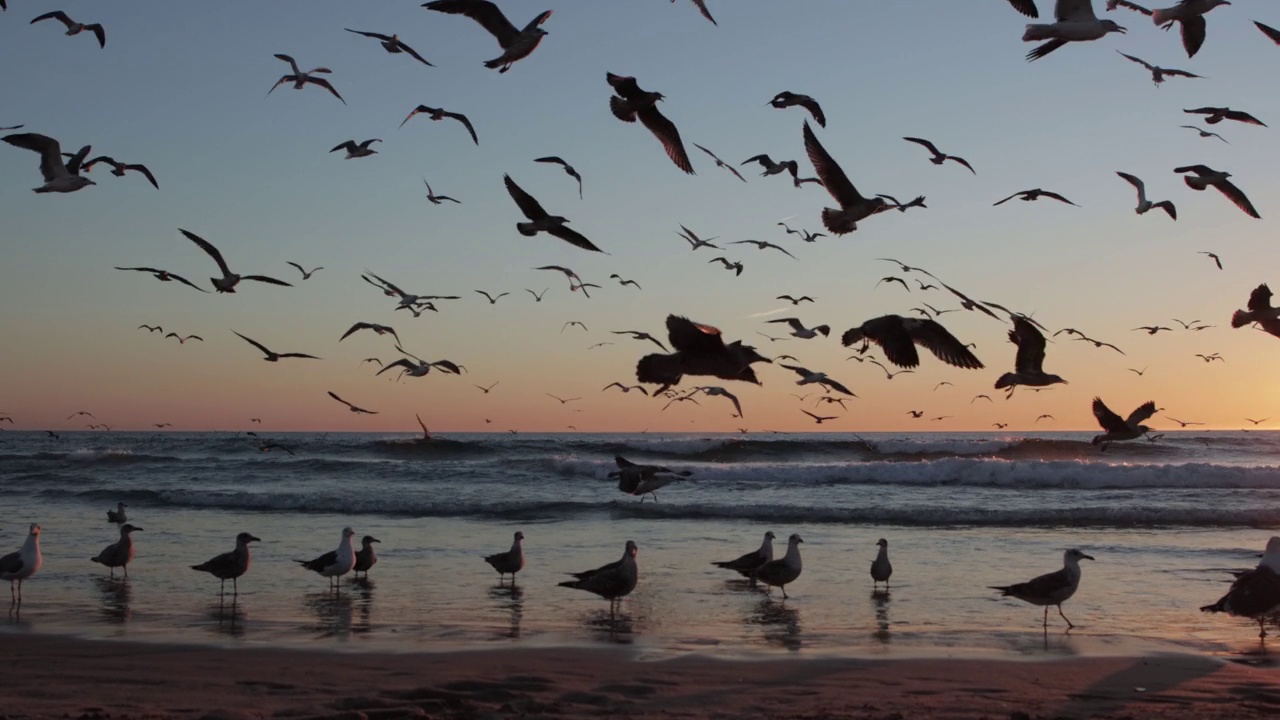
(1005, 380)
(1037, 31)
(621, 109)
(1240, 318)
(526, 229)
(659, 369)
(1160, 17)
(1215, 607)
(837, 221)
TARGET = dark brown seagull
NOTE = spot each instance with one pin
(1259, 310)
(392, 44)
(630, 103)
(229, 280)
(897, 336)
(853, 206)
(1028, 363)
(75, 28)
(1215, 115)
(441, 114)
(516, 44)
(541, 221)
(721, 163)
(786, 99)
(699, 350)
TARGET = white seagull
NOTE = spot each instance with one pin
(1144, 204)
(335, 563)
(1191, 14)
(75, 28)
(18, 566)
(300, 79)
(1075, 22)
(808, 376)
(799, 330)
(357, 150)
(58, 176)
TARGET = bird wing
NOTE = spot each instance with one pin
(463, 119)
(1073, 10)
(1135, 182)
(187, 282)
(927, 145)
(57, 15)
(687, 336)
(51, 165)
(830, 173)
(814, 109)
(1260, 298)
(335, 397)
(349, 145)
(828, 382)
(573, 237)
(254, 343)
(1026, 7)
(1030, 342)
(405, 363)
(265, 279)
(378, 36)
(1197, 169)
(1007, 199)
(1056, 196)
(1237, 197)
(213, 251)
(1140, 61)
(1142, 412)
(1270, 32)
(483, 12)
(793, 322)
(524, 201)
(145, 173)
(668, 135)
(932, 336)
(1109, 421)
(298, 355)
(326, 85)
(702, 8)
(1193, 34)
(1045, 585)
(624, 85)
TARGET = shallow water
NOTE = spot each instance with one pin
(961, 512)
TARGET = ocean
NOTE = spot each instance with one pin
(1166, 522)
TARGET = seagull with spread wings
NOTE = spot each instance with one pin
(305, 274)
(1075, 21)
(1215, 115)
(717, 391)
(808, 376)
(1259, 310)
(720, 163)
(764, 245)
(1145, 205)
(75, 28)
(630, 103)
(229, 280)
(699, 350)
(1205, 133)
(392, 44)
(853, 206)
(1159, 74)
(1200, 177)
(541, 221)
(516, 44)
(1033, 195)
(568, 169)
(1190, 14)
(799, 330)
(1028, 364)
(302, 79)
(59, 176)
(786, 99)
(1118, 428)
(353, 408)
(355, 150)
(375, 327)
(898, 336)
(118, 168)
(272, 356)
(938, 156)
(441, 114)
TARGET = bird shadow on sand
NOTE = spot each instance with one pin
(116, 593)
(510, 598)
(781, 623)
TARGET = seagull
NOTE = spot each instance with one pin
(118, 168)
(1191, 14)
(1215, 115)
(509, 562)
(799, 330)
(702, 8)
(379, 329)
(1183, 424)
(417, 367)
(700, 350)
(58, 176)
(353, 408)
(611, 582)
(602, 344)
(1143, 203)
(563, 401)
(1257, 422)
(300, 79)
(537, 297)
(1255, 593)
(736, 267)
(808, 376)
(165, 276)
(1099, 344)
(641, 480)
(805, 235)
(392, 44)
(441, 114)
(305, 274)
(881, 569)
(18, 566)
(335, 563)
(1029, 362)
(1137, 372)
(747, 564)
(630, 103)
(541, 221)
(1209, 359)
(830, 401)
(1000, 426)
(1216, 260)
(1075, 21)
(118, 515)
(774, 168)
(1053, 588)
(1205, 133)
(680, 398)
(780, 573)
(574, 323)
(1270, 32)
(917, 414)
(625, 388)
(636, 334)
(1185, 325)
(1032, 195)
(1259, 310)
(715, 390)
(719, 162)
(1118, 428)
(787, 99)
(229, 280)
(764, 245)
(623, 282)
(357, 151)
(897, 336)
(81, 413)
(853, 206)
(437, 199)
(1205, 176)
(231, 565)
(516, 44)
(120, 553)
(938, 157)
(75, 28)
(795, 300)
(567, 168)
(901, 207)
(407, 300)
(273, 356)
(151, 328)
(493, 299)
(182, 340)
(1158, 74)
(892, 279)
(889, 375)
(696, 242)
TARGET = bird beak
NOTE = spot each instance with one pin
(255, 538)
(1122, 29)
(374, 540)
(1087, 557)
(137, 529)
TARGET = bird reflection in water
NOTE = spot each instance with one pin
(229, 615)
(509, 598)
(333, 614)
(781, 623)
(880, 603)
(612, 626)
(116, 595)
(363, 588)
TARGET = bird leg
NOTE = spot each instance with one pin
(1046, 617)
(126, 571)
(784, 592)
(1262, 630)
(1064, 617)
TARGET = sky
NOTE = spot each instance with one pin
(182, 88)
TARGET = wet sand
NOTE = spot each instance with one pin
(56, 677)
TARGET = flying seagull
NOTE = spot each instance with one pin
(541, 221)
(694, 241)
(702, 8)
(1215, 115)
(630, 102)
(787, 99)
(1269, 31)
(563, 401)
(1028, 363)
(182, 339)
(799, 330)
(273, 356)
(555, 160)
(118, 169)
(624, 282)
(58, 176)
(625, 388)
(437, 199)
(441, 114)
(165, 276)
(773, 168)
(1053, 588)
(808, 376)
(229, 280)
(1205, 133)
(493, 299)
(938, 156)
(715, 390)
(357, 150)
(719, 162)
(1190, 13)
(853, 206)
(353, 408)
(392, 44)
(795, 300)
(819, 419)
(637, 335)
(305, 275)
(516, 44)
(379, 329)
(889, 374)
(736, 267)
(1259, 310)
(1118, 428)
(805, 235)
(1158, 74)
(1203, 176)
(1033, 195)
(1144, 204)
(1152, 330)
(151, 328)
(897, 336)
(699, 350)
(764, 245)
(75, 28)
(301, 79)
(903, 207)
(1075, 21)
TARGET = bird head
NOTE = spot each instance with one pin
(368, 540)
(1144, 429)
(794, 539)
(851, 336)
(1074, 555)
(768, 535)
(519, 536)
(127, 528)
(245, 538)
(882, 543)
(632, 549)
(1271, 558)
(35, 529)
(1054, 379)
(1112, 26)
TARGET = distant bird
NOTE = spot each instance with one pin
(567, 168)
(1053, 588)
(493, 299)
(1075, 21)
(611, 582)
(229, 280)
(379, 329)
(59, 176)
(357, 151)
(75, 28)
(774, 168)
(151, 328)
(636, 334)
(1183, 423)
(118, 515)
(392, 44)
(903, 207)
(574, 323)
(700, 350)
(853, 206)
(273, 356)
(1257, 422)
(799, 330)
(602, 344)
(1000, 426)
(810, 377)
(1185, 325)
(231, 565)
(640, 480)
(563, 401)
(1209, 358)
(694, 241)
(897, 336)
(976, 398)
(352, 408)
(305, 274)
(301, 79)
(736, 267)
(624, 282)
(625, 388)
(830, 401)
(118, 168)
(892, 279)
(720, 163)
(717, 391)
(1099, 344)
(541, 221)
(1137, 372)
(1191, 14)
(1158, 74)
(486, 390)
(335, 563)
(764, 245)
(917, 414)
(1216, 260)
(786, 99)
(269, 446)
(509, 562)
(120, 553)
(795, 300)
(944, 382)
(1215, 115)
(1118, 428)
(783, 572)
(631, 103)
(1144, 204)
(1272, 33)
(81, 413)
(1259, 310)
(516, 44)
(747, 564)
(182, 339)
(21, 565)
(537, 297)
(1032, 195)
(441, 114)
(1028, 364)
(938, 156)
(1255, 593)
(437, 199)
(1202, 176)
(1205, 133)
(889, 374)
(818, 419)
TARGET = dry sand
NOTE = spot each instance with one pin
(54, 677)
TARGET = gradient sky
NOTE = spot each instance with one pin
(182, 88)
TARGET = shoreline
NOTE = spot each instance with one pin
(53, 677)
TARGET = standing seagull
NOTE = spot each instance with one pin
(229, 280)
(611, 582)
(786, 99)
(940, 157)
(300, 79)
(230, 565)
(335, 563)
(541, 221)
(898, 336)
(1191, 14)
(630, 103)
(1075, 21)
(58, 176)
(1053, 588)
(1255, 593)
(18, 566)
(747, 564)
(1144, 204)
(783, 572)
(509, 562)
(1203, 176)
(120, 553)
(75, 28)
(392, 44)
(881, 568)
(567, 168)
(853, 206)
(1158, 74)
(118, 168)
(441, 114)
(1028, 364)
(1259, 311)
(1118, 428)
(118, 515)
(516, 44)
(365, 556)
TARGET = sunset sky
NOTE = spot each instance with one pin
(182, 88)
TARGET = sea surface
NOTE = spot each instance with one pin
(1166, 522)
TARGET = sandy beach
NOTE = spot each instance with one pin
(56, 677)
